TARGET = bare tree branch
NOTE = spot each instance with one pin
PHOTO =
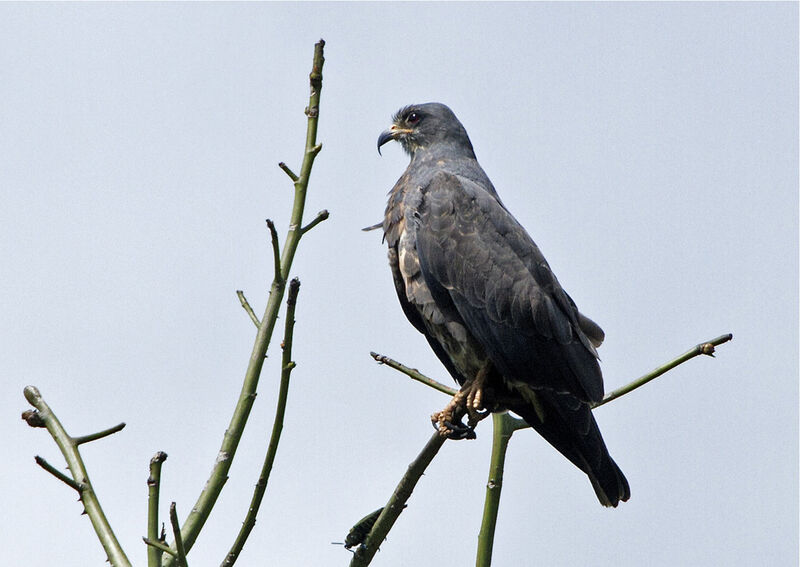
(80, 478)
(505, 425)
(277, 427)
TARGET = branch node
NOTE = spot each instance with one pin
(33, 418)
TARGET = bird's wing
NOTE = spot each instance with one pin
(475, 254)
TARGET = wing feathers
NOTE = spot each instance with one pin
(502, 287)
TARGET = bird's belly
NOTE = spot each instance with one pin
(461, 347)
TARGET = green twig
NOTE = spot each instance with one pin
(99, 435)
(180, 550)
(277, 427)
(321, 216)
(505, 425)
(276, 251)
(288, 171)
(153, 489)
(160, 546)
(69, 448)
(247, 308)
(58, 474)
(219, 474)
(706, 348)
(413, 373)
(364, 553)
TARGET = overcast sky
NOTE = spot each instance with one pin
(651, 150)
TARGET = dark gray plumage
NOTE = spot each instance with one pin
(475, 284)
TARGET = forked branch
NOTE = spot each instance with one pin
(78, 477)
(505, 425)
(283, 263)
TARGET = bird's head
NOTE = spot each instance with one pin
(422, 126)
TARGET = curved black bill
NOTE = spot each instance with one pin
(386, 136)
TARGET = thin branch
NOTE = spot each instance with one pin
(247, 308)
(706, 348)
(153, 490)
(59, 475)
(180, 551)
(91, 504)
(99, 435)
(219, 474)
(277, 427)
(159, 546)
(321, 216)
(288, 171)
(364, 553)
(503, 426)
(276, 252)
(413, 373)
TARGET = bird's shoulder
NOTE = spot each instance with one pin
(471, 244)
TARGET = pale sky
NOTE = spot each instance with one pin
(651, 150)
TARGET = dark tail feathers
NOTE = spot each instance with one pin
(569, 426)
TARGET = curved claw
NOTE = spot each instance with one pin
(457, 430)
(475, 416)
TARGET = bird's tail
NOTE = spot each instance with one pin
(569, 426)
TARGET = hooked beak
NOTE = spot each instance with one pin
(391, 134)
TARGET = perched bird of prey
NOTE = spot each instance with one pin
(472, 280)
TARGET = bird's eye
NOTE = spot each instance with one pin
(413, 118)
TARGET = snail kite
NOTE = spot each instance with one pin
(472, 280)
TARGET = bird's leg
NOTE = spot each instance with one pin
(475, 396)
(469, 400)
(448, 421)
